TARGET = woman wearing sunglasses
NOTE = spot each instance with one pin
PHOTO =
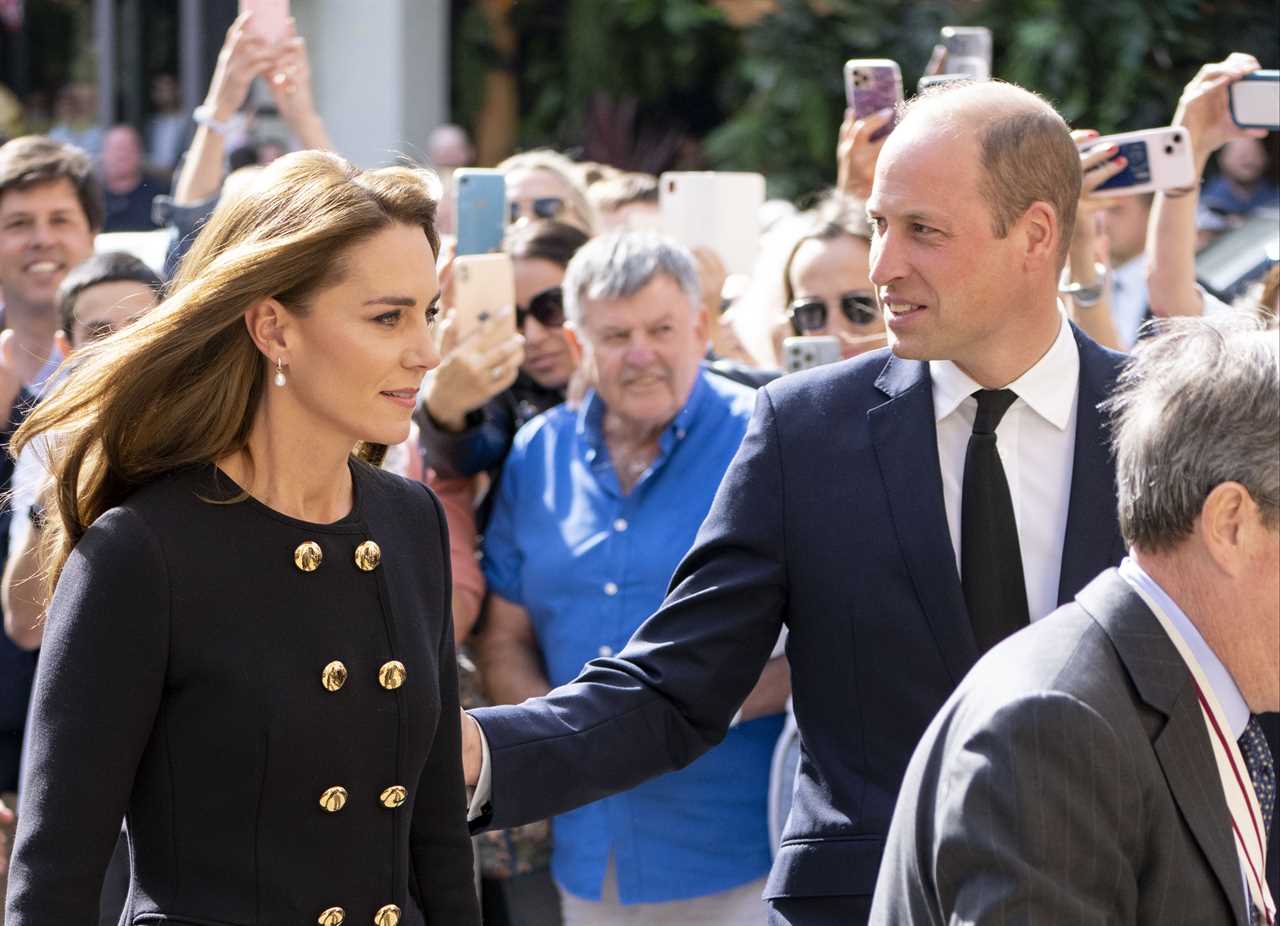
(826, 279)
(468, 423)
(542, 185)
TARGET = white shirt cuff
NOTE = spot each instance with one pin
(484, 786)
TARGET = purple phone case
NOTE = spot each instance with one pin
(871, 89)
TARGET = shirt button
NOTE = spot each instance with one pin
(610, 589)
(591, 455)
(679, 433)
(620, 525)
(605, 651)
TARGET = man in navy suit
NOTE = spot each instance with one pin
(841, 516)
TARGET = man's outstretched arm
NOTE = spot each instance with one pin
(671, 693)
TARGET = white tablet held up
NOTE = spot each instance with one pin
(715, 210)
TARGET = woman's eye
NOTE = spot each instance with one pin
(388, 318)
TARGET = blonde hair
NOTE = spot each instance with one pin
(559, 166)
(181, 386)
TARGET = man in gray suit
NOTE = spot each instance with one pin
(1104, 765)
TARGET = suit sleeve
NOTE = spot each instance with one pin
(440, 843)
(670, 694)
(96, 696)
(1030, 820)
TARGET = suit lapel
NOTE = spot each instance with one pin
(1092, 542)
(904, 435)
(1182, 746)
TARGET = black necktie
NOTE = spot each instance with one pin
(990, 558)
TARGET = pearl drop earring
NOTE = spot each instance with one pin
(280, 380)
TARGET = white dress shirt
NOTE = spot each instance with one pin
(1036, 441)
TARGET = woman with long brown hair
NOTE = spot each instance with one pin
(249, 653)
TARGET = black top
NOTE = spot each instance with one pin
(186, 680)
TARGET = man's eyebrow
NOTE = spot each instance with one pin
(407, 301)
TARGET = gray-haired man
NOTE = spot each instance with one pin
(1106, 764)
(595, 507)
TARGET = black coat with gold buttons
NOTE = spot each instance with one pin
(272, 703)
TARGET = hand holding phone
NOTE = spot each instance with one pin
(481, 209)
(1155, 159)
(968, 51)
(872, 85)
(809, 352)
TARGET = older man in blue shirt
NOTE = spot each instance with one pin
(596, 506)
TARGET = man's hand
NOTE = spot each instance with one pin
(1204, 109)
(471, 751)
(1098, 166)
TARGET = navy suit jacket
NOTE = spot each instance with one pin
(831, 520)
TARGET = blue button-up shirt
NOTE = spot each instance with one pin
(590, 563)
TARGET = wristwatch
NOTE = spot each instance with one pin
(1088, 294)
(203, 115)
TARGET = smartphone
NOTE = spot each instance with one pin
(716, 210)
(807, 353)
(1159, 159)
(1255, 101)
(968, 51)
(483, 285)
(870, 85)
(480, 209)
(270, 18)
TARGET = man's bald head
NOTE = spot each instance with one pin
(1024, 147)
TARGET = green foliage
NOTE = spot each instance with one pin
(770, 98)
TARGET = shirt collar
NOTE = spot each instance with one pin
(1048, 388)
(1220, 680)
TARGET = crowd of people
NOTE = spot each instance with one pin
(730, 646)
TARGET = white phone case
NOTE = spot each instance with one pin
(1159, 159)
(715, 210)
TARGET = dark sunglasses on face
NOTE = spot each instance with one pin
(547, 307)
(810, 313)
(544, 207)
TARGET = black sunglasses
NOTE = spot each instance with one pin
(547, 307)
(810, 313)
(543, 207)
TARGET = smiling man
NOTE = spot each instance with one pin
(50, 208)
(900, 513)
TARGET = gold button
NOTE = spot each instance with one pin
(334, 676)
(393, 797)
(387, 916)
(368, 555)
(308, 556)
(392, 675)
(334, 916)
(334, 799)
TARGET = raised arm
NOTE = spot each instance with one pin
(1171, 240)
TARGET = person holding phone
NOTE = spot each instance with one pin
(249, 642)
(1204, 112)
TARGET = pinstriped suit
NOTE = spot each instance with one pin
(1068, 780)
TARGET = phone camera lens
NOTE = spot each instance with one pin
(1177, 138)
(1168, 149)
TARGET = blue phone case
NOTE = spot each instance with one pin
(1137, 171)
(1273, 77)
(481, 211)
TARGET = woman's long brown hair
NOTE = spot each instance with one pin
(182, 385)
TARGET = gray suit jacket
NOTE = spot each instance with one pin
(1068, 780)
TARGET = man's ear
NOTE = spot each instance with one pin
(1222, 527)
(270, 326)
(575, 343)
(1042, 231)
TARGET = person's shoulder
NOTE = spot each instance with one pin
(1095, 356)
(384, 490)
(734, 397)
(853, 380)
